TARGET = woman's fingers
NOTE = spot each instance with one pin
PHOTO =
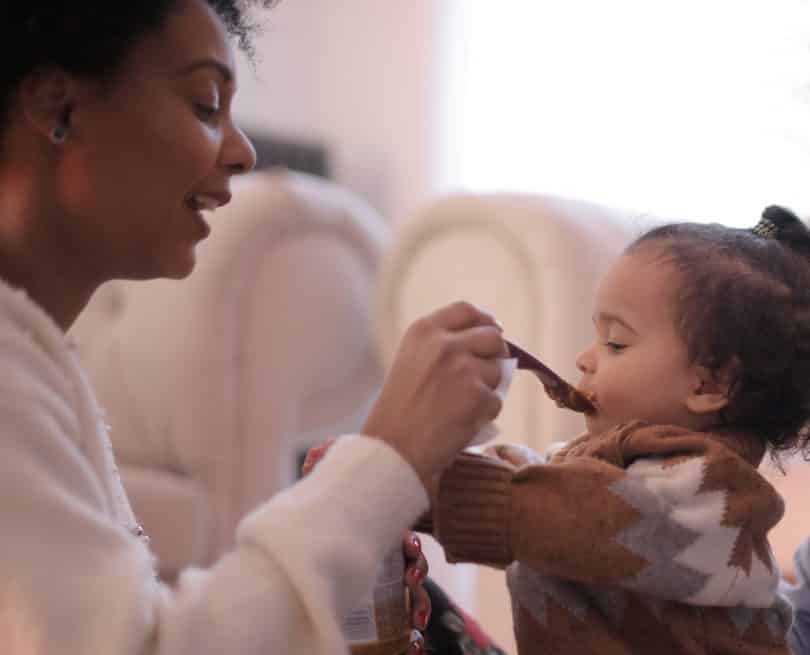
(420, 608)
(416, 566)
(490, 372)
(412, 548)
(484, 341)
(417, 645)
(461, 315)
(416, 573)
(416, 569)
(439, 390)
(491, 405)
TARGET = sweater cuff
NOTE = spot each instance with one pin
(472, 516)
(342, 518)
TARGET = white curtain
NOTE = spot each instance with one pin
(693, 109)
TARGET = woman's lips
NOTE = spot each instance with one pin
(202, 224)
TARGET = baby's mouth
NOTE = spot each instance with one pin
(591, 396)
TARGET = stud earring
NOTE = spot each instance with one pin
(59, 134)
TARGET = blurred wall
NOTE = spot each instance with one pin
(363, 77)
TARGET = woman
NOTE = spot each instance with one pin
(115, 136)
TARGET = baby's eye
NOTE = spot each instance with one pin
(615, 347)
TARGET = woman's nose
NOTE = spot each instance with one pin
(238, 153)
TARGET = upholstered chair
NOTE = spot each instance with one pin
(215, 386)
(533, 261)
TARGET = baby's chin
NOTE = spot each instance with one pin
(598, 424)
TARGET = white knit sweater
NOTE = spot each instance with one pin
(74, 578)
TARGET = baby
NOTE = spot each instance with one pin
(648, 534)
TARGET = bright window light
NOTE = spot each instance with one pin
(692, 109)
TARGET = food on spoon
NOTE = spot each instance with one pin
(563, 394)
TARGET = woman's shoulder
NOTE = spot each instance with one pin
(32, 346)
(20, 316)
(39, 378)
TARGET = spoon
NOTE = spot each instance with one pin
(562, 393)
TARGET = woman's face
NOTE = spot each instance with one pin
(145, 154)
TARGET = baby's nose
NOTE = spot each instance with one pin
(584, 361)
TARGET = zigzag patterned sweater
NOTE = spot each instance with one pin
(646, 539)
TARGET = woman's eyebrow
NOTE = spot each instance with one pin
(207, 62)
(607, 317)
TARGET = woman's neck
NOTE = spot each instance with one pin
(57, 294)
(32, 259)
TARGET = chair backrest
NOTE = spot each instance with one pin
(534, 262)
(215, 385)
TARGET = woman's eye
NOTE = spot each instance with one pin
(206, 112)
(615, 347)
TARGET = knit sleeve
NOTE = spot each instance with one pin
(75, 581)
(668, 513)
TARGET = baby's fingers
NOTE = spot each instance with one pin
(315, 455)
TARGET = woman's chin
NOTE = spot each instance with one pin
(180, 266)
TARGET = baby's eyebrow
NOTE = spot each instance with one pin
(607, 317)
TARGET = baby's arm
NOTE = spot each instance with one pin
(685, 519)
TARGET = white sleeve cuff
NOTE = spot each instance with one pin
(340, 521)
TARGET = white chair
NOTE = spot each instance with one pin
(214, 386)
(534, 262)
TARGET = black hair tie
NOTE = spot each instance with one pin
(774, 218)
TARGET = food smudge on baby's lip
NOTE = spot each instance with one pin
(561, 392)
(590, 396)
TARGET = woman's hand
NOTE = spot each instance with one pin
(416, 569)
(440, 389)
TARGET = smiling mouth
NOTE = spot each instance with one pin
(201, 202)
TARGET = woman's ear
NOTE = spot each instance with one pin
(45, 100)
(710, 392)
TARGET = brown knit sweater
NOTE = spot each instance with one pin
(646, 539)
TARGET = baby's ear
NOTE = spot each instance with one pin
(710, 392)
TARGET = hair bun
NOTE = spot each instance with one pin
(783, 225)
(780, 216)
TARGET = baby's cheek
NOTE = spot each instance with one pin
(617, 405)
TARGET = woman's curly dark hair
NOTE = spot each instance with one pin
(744, 307)
(90, 38)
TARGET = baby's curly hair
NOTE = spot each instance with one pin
(744, 306)
(91, 37)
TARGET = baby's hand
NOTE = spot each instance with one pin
(515, 454)
(315, 455)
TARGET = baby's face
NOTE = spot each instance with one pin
(637, 366)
